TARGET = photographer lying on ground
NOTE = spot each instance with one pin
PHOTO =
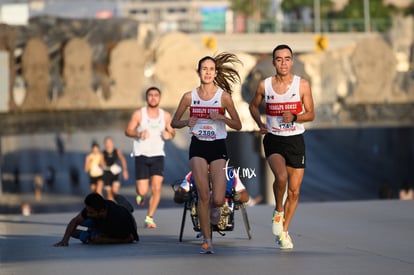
(107, 223)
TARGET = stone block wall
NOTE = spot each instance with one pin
(107, 64)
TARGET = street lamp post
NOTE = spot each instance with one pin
(317, 16)
(366, 16)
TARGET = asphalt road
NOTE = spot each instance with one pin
(360, 237)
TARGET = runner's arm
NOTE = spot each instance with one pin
(176, 121)
(254, 107)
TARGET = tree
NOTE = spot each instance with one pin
(250, 8)
(379, 14)
(410, 9)
(244, 7)
(355, 10)
(294, 6)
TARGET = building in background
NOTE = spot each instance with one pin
(14, 13)
(181, 15)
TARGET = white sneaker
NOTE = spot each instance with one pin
(277, 223)
(285, 241)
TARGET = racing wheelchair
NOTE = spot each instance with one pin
(227, 219)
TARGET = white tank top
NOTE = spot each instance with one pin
(277, 104)
(205, 128)
(154, 144)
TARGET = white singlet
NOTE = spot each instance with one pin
(154, 144)
(206, 128)
(277, 104)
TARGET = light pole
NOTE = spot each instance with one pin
(278, 14)
(366, 16)
(317, 16)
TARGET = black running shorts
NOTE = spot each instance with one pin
(292, 148)
(145, 167)
(209, 150)
(109, 178)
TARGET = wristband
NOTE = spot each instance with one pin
(295, 117)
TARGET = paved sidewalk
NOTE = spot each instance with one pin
(362, 237)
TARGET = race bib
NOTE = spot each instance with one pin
(277, 124)
(204, 131)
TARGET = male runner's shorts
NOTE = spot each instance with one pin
(209, 150)
(146, 167)
(94, 180)
(292, 148)
(109, 178)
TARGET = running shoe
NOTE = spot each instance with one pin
(140, 200)
(149, 222)
(284, 241)
(215, 214)
(277, 225)
(207, 247)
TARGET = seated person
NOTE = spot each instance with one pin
(107, 222)
(233, 181)
(234, 189)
